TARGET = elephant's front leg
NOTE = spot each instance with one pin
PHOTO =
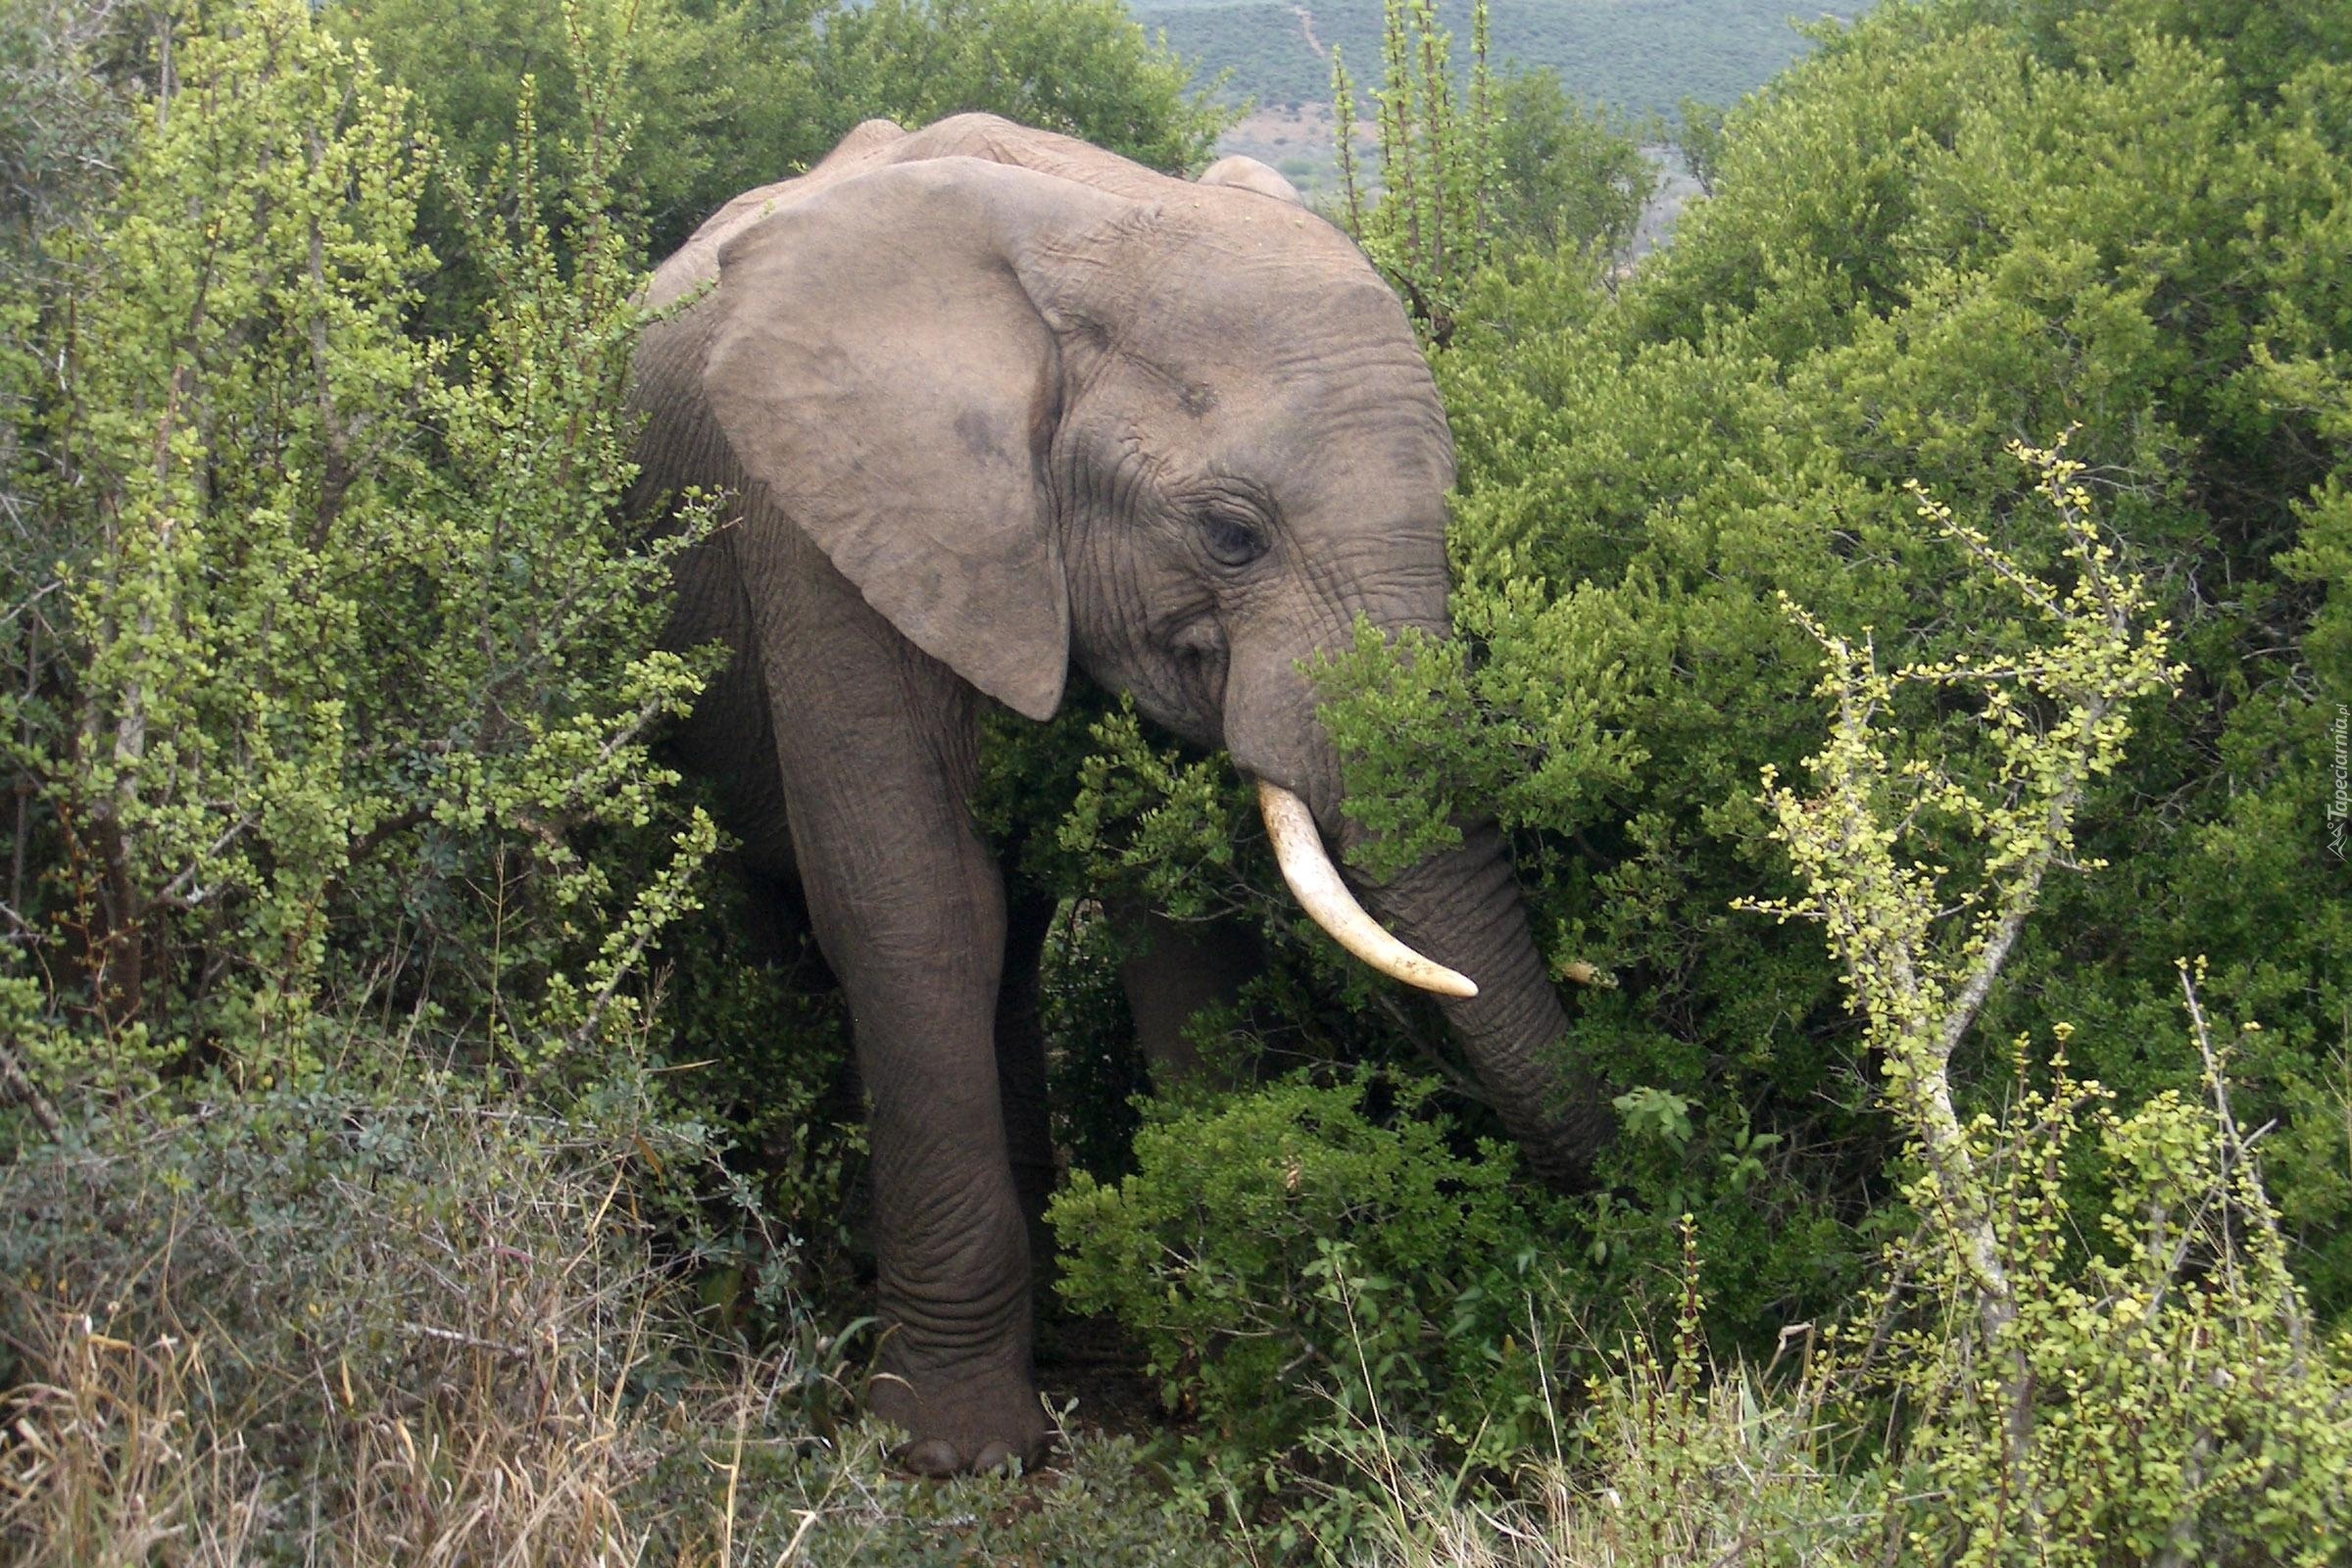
(877, 748)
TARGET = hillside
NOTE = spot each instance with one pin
(1640, 56)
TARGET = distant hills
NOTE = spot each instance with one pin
(1640, 55)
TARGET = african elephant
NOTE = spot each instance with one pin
(994, 402)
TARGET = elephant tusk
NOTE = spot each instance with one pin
(1315, 883)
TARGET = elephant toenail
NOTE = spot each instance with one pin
(993, 1457)
(933, 1456)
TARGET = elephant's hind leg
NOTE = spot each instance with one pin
(1021, 1064)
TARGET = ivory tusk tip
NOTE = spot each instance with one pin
(1315, 883)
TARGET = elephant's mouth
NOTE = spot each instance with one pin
(1315, 883)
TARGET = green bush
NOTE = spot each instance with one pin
(2016, 1386)
(712, 97)
(1295, 1257)
(1079, 67)
(1954, 225)
(723, 95)
(2176, 1404)
(339, 677)
(1566, 173)
(334, 688)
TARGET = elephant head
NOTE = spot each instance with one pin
(1038, 407)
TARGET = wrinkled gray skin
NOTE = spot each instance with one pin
(994, 402)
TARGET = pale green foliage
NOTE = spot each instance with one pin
(1083, 67)
(274, 228)
(2062, 1407)
(2174, 1406)
(340, 631)
(2156, 1394)
(1565, 174)
(2067, 1361)
(1430, 231)
(727, 94)
(2056, 716)
(1137, 818)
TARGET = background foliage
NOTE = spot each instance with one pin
(727, 94)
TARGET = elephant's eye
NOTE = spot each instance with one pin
(1233, 541)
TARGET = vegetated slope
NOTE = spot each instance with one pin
(1640, 55)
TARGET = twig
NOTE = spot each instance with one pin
(2238, 1152)
(27, 1092)
(471, 1341)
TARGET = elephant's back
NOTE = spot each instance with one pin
(696, 262)
(880, 143)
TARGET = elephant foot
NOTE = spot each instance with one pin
(964, 1425)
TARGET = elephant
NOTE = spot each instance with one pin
(990, 405)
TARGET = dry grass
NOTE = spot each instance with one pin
(122, 1453)
(358, 1369)
(312, 1330)
(1668, 1474)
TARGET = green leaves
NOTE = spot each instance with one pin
(1430, 229)
(1565, 174)
(1921, 950)
(1083, 67)
(344, 684)
(226, 367)
(1305, 1236)
(1952, 228)
(1426, 738)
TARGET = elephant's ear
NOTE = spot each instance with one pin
(881, 369)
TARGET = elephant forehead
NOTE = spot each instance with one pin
(1321, 414)
(1318, 304)
(1313, 439)
(1250, 349)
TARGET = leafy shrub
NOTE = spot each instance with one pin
(2015, 1388)
(334, 689)
(2150, 1389)
(1305, 1253)
(2176, 1405)
(1566, 173)
(1083, 67)
(720, 98)
(1953, 225)
(1428, 229)
(339, 678)
(2159, 1394)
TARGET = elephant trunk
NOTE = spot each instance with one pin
(1462, 907)
(1454, 923)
